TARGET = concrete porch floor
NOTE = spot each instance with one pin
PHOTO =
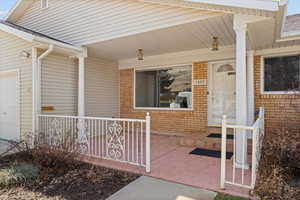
(172, 162)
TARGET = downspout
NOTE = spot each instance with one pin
(37, 85)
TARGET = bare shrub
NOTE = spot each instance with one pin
(57, 153)
(280, 160)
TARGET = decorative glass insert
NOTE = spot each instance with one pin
(226, 68)
(164, 88)
(281, 73)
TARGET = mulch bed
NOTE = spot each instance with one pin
(71, 182)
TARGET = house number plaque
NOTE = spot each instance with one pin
(200, 82)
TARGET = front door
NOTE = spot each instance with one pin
(9, 106)
(221, 92)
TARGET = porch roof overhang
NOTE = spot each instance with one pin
(265, 7)
(186, 37)
(42, 41)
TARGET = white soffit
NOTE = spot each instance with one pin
(195, 35)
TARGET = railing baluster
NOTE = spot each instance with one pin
(128, 138)
(102, 138)
(254, 143)
(234, 155)
(137, 143)
(223, 153)
(124, 141)
(106, 147)
(141, 149)
(243, 166)
(148, 143)
(132, 141)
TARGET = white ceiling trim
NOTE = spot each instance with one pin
(177, 58)
(275, 51)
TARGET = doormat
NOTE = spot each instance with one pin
(210, 153)
(218, 135)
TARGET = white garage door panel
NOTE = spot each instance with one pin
(9, 106)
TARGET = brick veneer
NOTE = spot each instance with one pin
(167, 121)
(281, 109)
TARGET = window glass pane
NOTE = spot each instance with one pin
(281, 73)
(164, 88)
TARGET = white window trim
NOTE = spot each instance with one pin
(166, 109)
(47, 4)
(262, 74)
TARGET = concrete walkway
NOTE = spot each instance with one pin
(147, 188)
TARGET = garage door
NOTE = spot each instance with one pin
(9, 117)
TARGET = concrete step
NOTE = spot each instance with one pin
(208, 143)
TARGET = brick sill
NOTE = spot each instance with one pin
(165, 109)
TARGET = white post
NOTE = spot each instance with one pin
(240, 27)
(254, 160)
(223, 155)
(250, 87)
(148, 143)
(81, 99)
(34, 89)
(81, 86)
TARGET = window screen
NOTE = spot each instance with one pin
(281, 73)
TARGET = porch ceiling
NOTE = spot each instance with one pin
(190, 36)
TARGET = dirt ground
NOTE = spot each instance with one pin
(71, 182)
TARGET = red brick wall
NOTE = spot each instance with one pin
(167, 121)
(281, 109)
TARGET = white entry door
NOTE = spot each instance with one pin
(9, 106)
(221, 92)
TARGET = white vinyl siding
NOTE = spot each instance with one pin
(89, 21)
(60, 84)
(10, 49)
(102, 88)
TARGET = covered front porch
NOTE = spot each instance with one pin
(128, 144)
(123, 136)
(171, 161)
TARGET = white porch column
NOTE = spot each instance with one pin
(240, 27)
(81, 86)
(35, 85)
(250, 87)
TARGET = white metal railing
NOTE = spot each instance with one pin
(245, 175)
(122, 140)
